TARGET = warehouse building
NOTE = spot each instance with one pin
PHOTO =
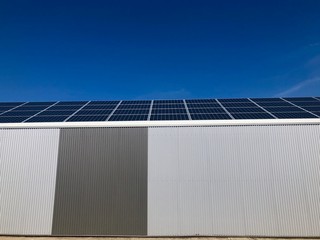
(208, 167)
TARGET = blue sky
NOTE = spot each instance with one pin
(162, 49)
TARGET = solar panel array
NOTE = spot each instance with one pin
(160, 110)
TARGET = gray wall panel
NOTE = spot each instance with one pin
(28, 162)
(101, 184)
(241, 180)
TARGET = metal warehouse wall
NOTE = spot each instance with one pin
(222, 180)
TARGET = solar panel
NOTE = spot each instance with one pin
(88, 118)
(209, 116)
(70, 103)
(252, 116)
(136, 102)
(283, 109)
(2, 109)
(47, 119)
(294, 115)
(266, 99)
(155, 102)
(103, 103)
(128, 118)
(206, 110)
(158, 117)
(71, 107)
(301, 99)
(238, 105)
(31, 108)
(275, 104)
(169, 111)
(307, 104)
(161, 110)
(12, 119)
(201, 101)
(10, 104)
(132, 111)
(245, 110)
(39, 103)
(234, 100)
(96, 107)
(56, 113)
(203, 105)
(134, 106)
(19, 113)
(178, 105)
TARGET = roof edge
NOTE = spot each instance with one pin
(184, 123)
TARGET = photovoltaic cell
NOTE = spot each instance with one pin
(252, 116)
(155, 102)
(301, 99)
(132, 106)
(275, 104)
(47, 119)
(88, 118)
(246, 110)
(294, 115)
(203, 105)
(19, 113)
(209, 116)
(62, 108)
(39, 103)
(178, 105)
(234, 100)
(244, 104)
(94, 112)
(31, 108)
(158, 117)
(72, 103)
(132, 111)
(312, 108)
(56, 113)
(169, 111)
(148, 102)
(128, 118)
(2, 109)
(283, 109)
(307, 104)
(103, 103)
(266, 99)
(11, 104)
(12, 119)
(201, 101)
(206, 110)
(96, 107)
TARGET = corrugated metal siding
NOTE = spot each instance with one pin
(28, 161)
(101, 182)
(246, 180)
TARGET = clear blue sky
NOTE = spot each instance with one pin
(118, 49)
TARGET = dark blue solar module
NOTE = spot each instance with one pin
(160, 110)
(128, 118)
(90, 118)
(209, 116)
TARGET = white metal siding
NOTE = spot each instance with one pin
(236, 180)
(28, 162)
